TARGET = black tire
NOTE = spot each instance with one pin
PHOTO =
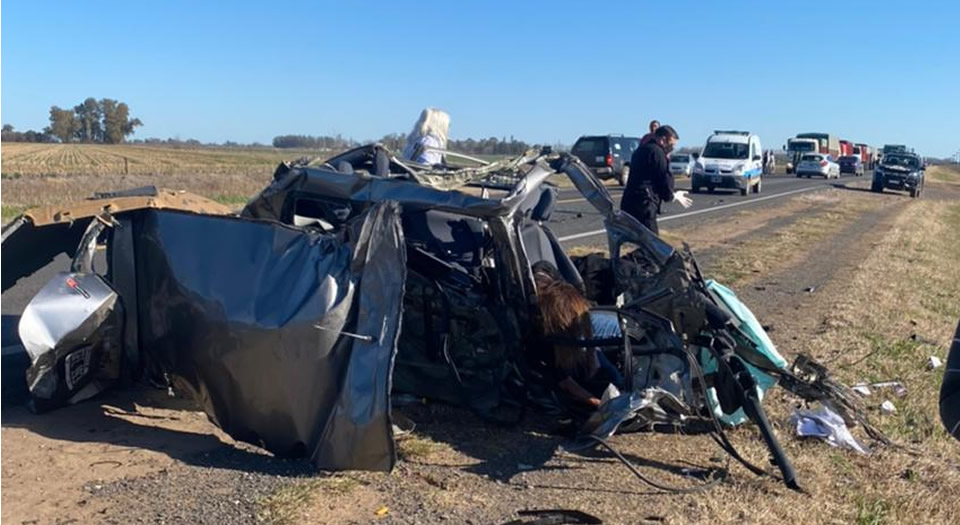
(623, 176)
(743, 191)
(694, 189)
(758, 186)
(876, 188)
(914, 192)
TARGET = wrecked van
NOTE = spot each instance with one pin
(347, 280)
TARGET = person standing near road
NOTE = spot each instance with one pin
(428, 135)
(651, 182)
(654, 124)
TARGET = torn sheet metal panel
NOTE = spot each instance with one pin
(122, 201)
(275, 201)
(72, 332)
(35, 238)
(228, 309)
(27, 248)
(121, 257)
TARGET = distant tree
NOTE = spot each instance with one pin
(89, 115)
(117, 123)
(63, 124)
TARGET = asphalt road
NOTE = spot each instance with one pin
(576, 222)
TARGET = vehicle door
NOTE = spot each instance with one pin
(618, 151)
(755, 163)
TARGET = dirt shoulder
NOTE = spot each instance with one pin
(882, 269)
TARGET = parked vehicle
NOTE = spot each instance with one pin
(826, 143)
(682, 164)
(730, 159)
(894, 148)
(607, 155)
(846, 148)
(818, 164)
(899, 171)
(866, 154)
(795, 149)
(851, 164)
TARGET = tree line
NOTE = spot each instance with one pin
(10, 135)
(397, 141)
(104, 121)
(311, 142)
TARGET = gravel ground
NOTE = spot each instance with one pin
(222, 486)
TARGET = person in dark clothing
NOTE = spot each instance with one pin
(650, 182)
(649, 137)
(950, 389)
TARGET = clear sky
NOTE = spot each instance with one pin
(876, 72)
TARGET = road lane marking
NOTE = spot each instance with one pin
(705, 210)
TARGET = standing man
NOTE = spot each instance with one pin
(650, 181)
(654, 124)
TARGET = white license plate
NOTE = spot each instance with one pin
(599, 159)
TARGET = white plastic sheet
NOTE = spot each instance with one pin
(827, 425)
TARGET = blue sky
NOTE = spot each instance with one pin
(541, 71)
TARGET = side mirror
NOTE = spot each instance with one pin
(756, 157)
(784, 147)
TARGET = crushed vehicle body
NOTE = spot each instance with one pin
(349, 279)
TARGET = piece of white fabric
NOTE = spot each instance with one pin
(828, 426)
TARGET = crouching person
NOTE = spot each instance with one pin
(579, 372)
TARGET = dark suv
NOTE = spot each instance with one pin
(899, 171)
(607, 155)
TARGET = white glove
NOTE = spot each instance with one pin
(681, 198)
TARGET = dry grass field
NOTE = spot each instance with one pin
(43, 174)
(24, 159)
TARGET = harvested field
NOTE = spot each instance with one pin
(45, 174)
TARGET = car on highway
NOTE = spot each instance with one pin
(899, 171)
(851, 164)
(607, 155)
(819, 164)
(682, 164)
(730, 159)
(795, 149)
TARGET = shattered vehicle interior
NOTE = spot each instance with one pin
(350, 279)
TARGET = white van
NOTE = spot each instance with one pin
(730, 159)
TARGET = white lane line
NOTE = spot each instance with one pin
(705, 210)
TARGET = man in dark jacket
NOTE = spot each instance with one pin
(649, 137)
(650, 181)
